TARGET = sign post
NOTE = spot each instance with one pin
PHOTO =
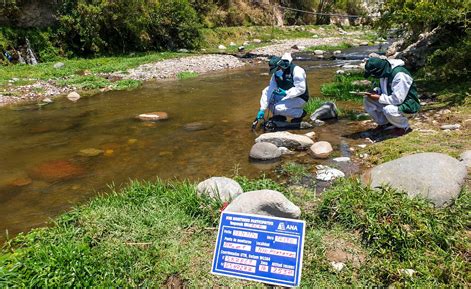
(259, 248)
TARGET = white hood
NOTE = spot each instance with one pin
(287, 56)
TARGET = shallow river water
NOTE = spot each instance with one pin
(43, 174)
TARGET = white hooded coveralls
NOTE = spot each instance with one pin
(290, 105)
(386, 110)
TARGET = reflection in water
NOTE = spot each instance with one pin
(207, 134)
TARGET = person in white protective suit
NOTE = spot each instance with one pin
(287, 93)
(396, 96)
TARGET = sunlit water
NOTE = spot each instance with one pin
(225, 103)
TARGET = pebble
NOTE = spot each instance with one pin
(222, 47)
(325, 173)
(342, 160)
(338, 266)
(73, 96)
(361, 146)
(450, 126)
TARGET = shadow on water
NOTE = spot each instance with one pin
(42, 172)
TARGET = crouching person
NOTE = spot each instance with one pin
(397, 95)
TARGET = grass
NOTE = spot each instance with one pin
(342, 85)
(187, 75)
(341, 46)
(150, 231)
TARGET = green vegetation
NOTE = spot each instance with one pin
(341, 46)
(187, 74)
(342, 85)
(450, 55)
(151, 231)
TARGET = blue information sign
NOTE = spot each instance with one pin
(259, 248)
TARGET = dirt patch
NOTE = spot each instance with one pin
(175, 282)
(340, 250)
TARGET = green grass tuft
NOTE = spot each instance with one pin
(187, 75)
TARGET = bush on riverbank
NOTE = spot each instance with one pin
(151, 231)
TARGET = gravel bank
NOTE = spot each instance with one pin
(286, 45)
(169, 69)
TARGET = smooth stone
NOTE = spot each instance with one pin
(59, 65)
(183, 50)
(450, 126)
(338, 266)
(342, 160)
(264, 202)
(221, 47)
(232, 44)
(90, 152)
(153, 116)
(57, 170)
(21, 182)
(47, 100)
(246, 43)
(285, 151)
(465, 157)
(73, 96)
(336, 52)
(433, 176)
(327, 110)
(318, 52)
(265, 151)
(364, 43)
(286, 139)
(340, 71)
(196, 126)
(221, 188)
(321, 149)
(325, 173)
(257, 41)
(311, 135)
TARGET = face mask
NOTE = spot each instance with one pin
(279, 73)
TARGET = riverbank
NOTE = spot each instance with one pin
(159, 233)
(23, 84)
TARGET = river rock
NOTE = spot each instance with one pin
(222, 188)
(319, 52)
(450, 126)
(221, 47)
(57, 170)
(59, 65)
(196, 126)
(153, 116)
(232, 44)
(364, 43)
(264, 202)
(47, 100)
(466, 158)
(351, 67)
(286, 139)
(328, 110)
(285, 151)
(321, 149)
(340, 71)
(21, 182)
(337, 52)
(327, 174)
(434, 176)
(342, 160)
(265, 151)
(73, 96)
(311, 135)
(257, 41)
(90, 152)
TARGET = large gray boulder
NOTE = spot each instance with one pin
(265, 151)
(434, 176)
(286, 139)
(328, 110)
(264, 202)
(466, 159)
(222, 188)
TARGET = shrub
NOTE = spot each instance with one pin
(101, 27)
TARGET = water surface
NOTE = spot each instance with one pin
(40, 147)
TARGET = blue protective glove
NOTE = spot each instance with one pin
(261, 114)
(280, 92)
